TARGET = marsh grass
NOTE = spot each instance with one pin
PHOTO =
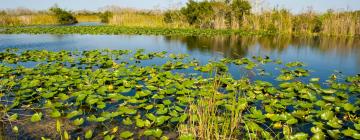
(37, 19)
(144, 19)
(134, 19)
(209, 119)
(331, 23)
(88, 18)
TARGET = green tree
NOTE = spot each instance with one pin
(198, 13)
(63, 16)
(240, 8)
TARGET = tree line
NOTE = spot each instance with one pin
(237, 14)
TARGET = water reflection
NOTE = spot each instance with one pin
(238, 46)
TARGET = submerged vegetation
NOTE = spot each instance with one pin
(119, 94)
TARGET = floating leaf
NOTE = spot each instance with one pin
(78, 121)
(126, 134)
(55, 113)
(89, 134)
(327, 115)
(348, 107)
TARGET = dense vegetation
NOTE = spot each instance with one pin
(63, 17)
(122, 94)
(105, 16)
(229, 14)
(236, 14)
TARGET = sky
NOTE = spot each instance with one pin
(293, 5)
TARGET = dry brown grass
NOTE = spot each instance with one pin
(40, 19)
(87, 18)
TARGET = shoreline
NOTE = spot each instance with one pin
(118, 30)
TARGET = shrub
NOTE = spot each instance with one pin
(104, 17)
(199, 14)
(63, 16)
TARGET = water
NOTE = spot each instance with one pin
(323, 55)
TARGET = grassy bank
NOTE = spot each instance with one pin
(111, 94)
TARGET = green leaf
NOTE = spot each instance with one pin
(55, 114)
(167, 102)
(73, 114)
(153, 132)
(329, 91)
(89, 134)
(329, 98)
(161, 119)
(318, 136)
(78, 121)
(348, 132)
(15, 130)
(300, 136)
(148, 107)
(333, 133)
(13, 117)
(126, 134)
(142, 123)
(357, 126)
(335, 123)
(109, 137)
(348, 107)
(327, 115)
(183, 118)
(66, 135)
(36, 117)
(292, 121)
(58, 126)
(187, 137)
(127, 121)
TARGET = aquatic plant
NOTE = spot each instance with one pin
(121, 94)
(126, 30)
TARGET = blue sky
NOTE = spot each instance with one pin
(293, 5)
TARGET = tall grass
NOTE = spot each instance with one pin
(282, 21)
(87, 18)
(37, 19)
(138, 18)
(209, 120)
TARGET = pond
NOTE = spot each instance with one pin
(162, 87)
(322, 55)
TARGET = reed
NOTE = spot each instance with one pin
(209, 120)
(88, 18)
(133, 19)
(38, 19)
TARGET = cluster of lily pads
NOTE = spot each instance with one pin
(119, 94)
(125, 30)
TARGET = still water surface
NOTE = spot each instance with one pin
(323, 55)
